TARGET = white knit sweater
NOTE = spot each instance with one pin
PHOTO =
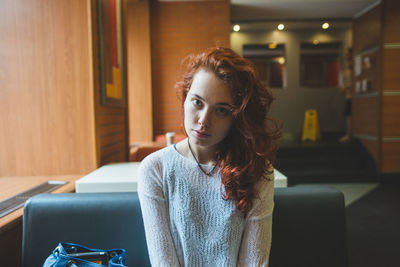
(187, 223)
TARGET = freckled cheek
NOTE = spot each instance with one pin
(190, 116)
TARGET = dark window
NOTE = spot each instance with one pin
(269, 60)
(320, 64)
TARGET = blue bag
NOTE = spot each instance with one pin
(74, 255)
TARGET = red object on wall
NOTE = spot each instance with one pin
(332, 74)
(113, 32)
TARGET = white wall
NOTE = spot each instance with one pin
(292, 101)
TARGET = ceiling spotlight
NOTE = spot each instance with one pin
(281, 27)
(315, 42)
(325, 25)
(236, 28)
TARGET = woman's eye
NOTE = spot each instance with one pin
(197, 103)
(222, 111)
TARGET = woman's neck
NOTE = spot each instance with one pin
(204, 155)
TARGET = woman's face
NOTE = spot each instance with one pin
(208, 110)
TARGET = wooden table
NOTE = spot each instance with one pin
(10, 186)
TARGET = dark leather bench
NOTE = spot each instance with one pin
(308, 226)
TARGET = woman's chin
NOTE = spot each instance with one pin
(200, 140)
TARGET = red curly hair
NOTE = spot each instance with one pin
(246, 154)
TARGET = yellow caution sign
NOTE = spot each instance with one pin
(311, 126)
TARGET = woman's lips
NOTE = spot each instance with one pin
(201, 134)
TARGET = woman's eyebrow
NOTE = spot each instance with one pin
(196, 95)
(225, 104)
(219, 103)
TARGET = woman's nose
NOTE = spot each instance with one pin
(205, 118)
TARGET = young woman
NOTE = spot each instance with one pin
(208, 200)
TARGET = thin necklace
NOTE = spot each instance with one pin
(198, 163)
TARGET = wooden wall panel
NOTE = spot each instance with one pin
(391, 20)
(112, 140)
(390, 157)
(139, 71)
(178, 29)
(46, 99)
(111, 128)
(111, 118)
(391, 116)
(110, 122)
(367, 30)
(365, 116)
(366, 107)
(391, 70)
(112, 149)
(391, 87)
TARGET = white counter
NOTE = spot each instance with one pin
(117, 177)
(280, 179)
(123, 177)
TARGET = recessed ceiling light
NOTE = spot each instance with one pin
(281, 27)
(236, 28)
(315, 42)
(325, 25)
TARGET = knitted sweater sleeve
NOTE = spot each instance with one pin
(256, 241)
(154, 207)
